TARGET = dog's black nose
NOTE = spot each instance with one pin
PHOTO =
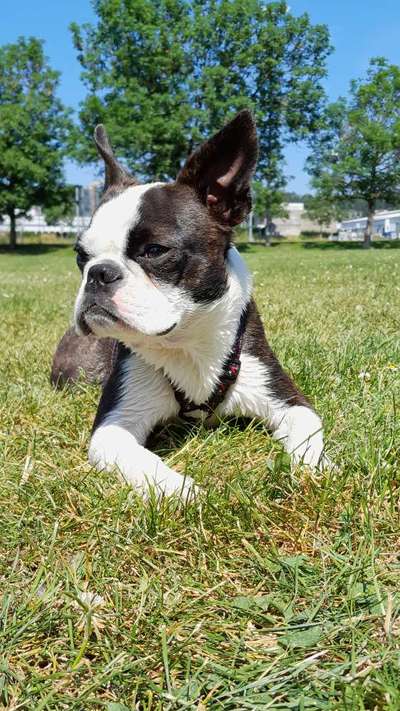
(103, 274)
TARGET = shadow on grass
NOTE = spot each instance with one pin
(249, 246)
(32, 249)
(168, 438)
(339, 246)
(246, 247)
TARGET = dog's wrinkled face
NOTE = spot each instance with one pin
(151, 256)
(155, 254)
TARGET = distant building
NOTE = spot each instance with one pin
(35, 222)
(87, 199)
(386, 225)
(293, 225)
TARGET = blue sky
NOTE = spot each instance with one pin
(359, 29)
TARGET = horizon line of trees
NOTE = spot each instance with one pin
(163, 75)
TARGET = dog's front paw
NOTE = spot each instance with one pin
(307, 450)
(302, 435)
(114, 448)
(168, 482)
(325, 463)
(310, 455)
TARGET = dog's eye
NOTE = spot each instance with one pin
(155, 250)
(81, 257)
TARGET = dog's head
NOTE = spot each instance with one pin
(155, 254)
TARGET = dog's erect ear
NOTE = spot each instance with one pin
(220, 170)
(116, 175)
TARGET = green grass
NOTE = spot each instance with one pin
(276, 589)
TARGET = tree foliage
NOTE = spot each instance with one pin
(322, 210)
(163, 74)
(33, 131)
(268, 203)
(356, 154)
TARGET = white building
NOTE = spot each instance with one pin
(35, 223)
(88, 197)
(86, 200)
(386, 225)
(294, 224)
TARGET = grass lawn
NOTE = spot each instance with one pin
(276, 589)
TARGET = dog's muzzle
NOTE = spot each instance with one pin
(101, 276)
(96, 308)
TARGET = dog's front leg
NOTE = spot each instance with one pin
(113, 447)
(134, 400)
(299, 429)
(296, 426)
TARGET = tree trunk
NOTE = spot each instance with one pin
(370, 226)
(13, 229)
(250, 233)
(267, 231)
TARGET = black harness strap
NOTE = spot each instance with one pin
(229, 374)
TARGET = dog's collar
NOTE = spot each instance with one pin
(229, 374)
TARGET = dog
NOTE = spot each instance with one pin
(164, 284)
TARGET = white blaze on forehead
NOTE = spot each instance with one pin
(111, 223)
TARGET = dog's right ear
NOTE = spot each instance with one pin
(220, 170)
(116, 176)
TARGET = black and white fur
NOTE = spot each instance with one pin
(161, 276)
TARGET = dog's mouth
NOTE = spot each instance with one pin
(97, 315)
(101, 316)
(167, 330)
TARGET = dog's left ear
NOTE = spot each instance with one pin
(116, 176)
(220, 170)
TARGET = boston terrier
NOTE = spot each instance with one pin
(164, 284)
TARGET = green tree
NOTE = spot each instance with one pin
(34, 127)
(322, 211)
(163, 74)
(356, 154)
(268, 203)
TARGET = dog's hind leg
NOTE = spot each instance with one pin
(82, 357)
